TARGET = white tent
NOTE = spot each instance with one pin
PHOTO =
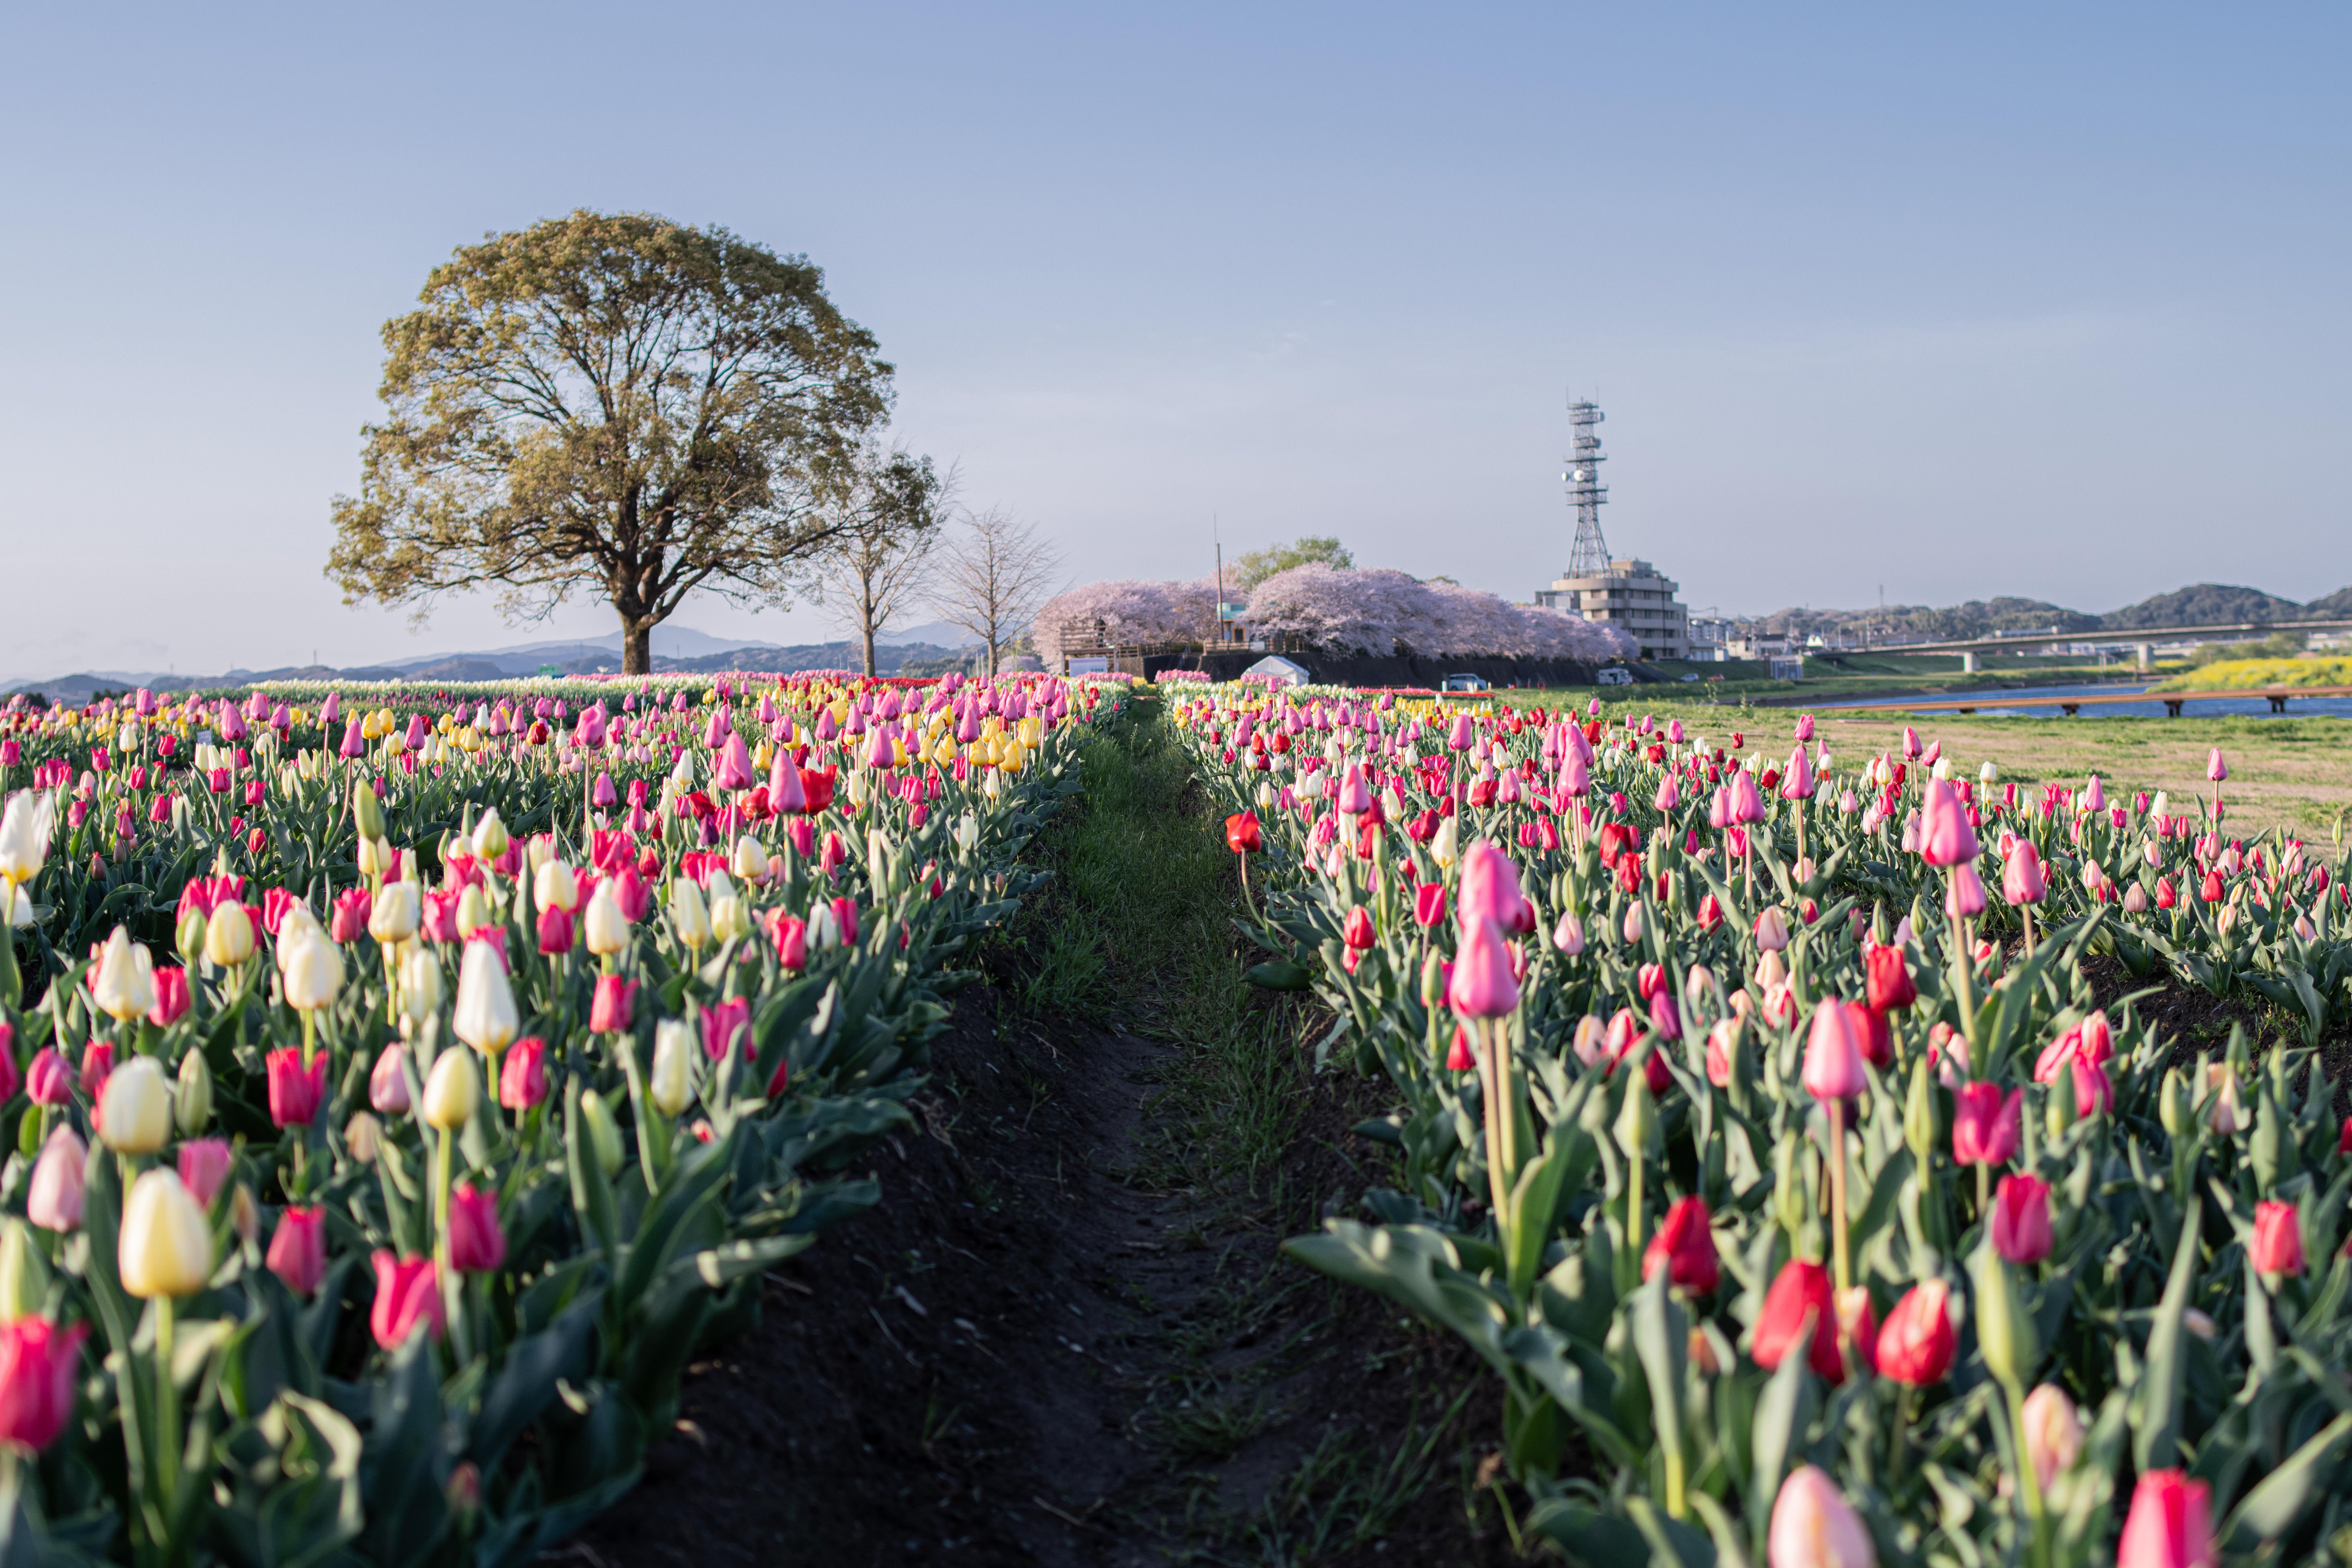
(1281, 668)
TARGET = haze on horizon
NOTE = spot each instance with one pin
(1949, 304)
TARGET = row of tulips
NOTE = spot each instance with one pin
(1763, 1131)
(381, 1167)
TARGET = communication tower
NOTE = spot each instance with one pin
(1585, 491)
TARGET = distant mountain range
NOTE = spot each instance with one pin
(2199, 604)
(675, 649)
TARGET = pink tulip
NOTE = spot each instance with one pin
(1796, 783)
(2216, 769)
(1986, 1124)
(2171, 1521)
(1482, 985)
(1833, 1054)
(477, 1243)
(407, 1295)
(2021, 880)
(1945, 837)
(297, 1249)
(1966, 896)
(54, 1201)
(203, 1165)
(388, 1083)
(2277, 1245)
(38, 1366)
(2020, 1219)
(1814, 1527)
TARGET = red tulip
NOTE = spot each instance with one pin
(1429, 904)
(1684, 1247)
(348, 920)
(720, 1020)
(1458, 1058)
(295, 1093)
(476, 1244)
(407, 1294)
(1801, 1289)
(297, 1249)
(615, 1008)
(1242, 835)
(2020, 1219)
(1916, 1345)
(1888, 980)
(1985, 1124)
(522, 1074)
(1357, 932)
(51, 1082)
(37, 1365)
(96, 1066)
(171, 999)
(2277, 1246)
(2171, 1521)
(1873, 1035)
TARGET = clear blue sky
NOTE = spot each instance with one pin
(1958, 300)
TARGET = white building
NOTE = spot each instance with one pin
(1633, 596)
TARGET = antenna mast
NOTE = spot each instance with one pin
(1586, 492)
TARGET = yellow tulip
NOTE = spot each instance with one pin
(228, 935)
(126, 978)
(167, 1246)
(452, 1090)
(673, 1076)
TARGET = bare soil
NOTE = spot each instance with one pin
(992, 1367)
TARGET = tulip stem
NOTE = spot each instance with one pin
(1490, 1092)
(1899, 1439)
(2029, 1479)
(1984, 1187)
(167, 1406)
(2029, 930)
(1837, 1195)
(441, 1200)
(1960, 971)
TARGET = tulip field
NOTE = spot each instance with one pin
(1787, 1134)
(404, 1084)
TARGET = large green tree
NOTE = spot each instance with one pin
(613, 403)
(1254, 566)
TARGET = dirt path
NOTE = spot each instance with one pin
(1066, 1335)
(1031, 1354)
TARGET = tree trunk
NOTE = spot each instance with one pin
(637, 648)
(869, 647)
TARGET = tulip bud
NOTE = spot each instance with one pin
(24, 1272)
(1919, 1112)
(188, 938)
(451, 1091)
(193, 1102)
(603, 1133)
(367, 811)
(167, 1246)
(473, 912)
(2005, 1330)
(244, 1217)
(2172, 1103)
(1637, 1117)
(555, 887)
(134, 1109)
(673, 1072)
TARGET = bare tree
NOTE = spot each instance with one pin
(886, 526)
(991, 578)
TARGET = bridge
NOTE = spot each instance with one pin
(1969, 701)
(2143, 638)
